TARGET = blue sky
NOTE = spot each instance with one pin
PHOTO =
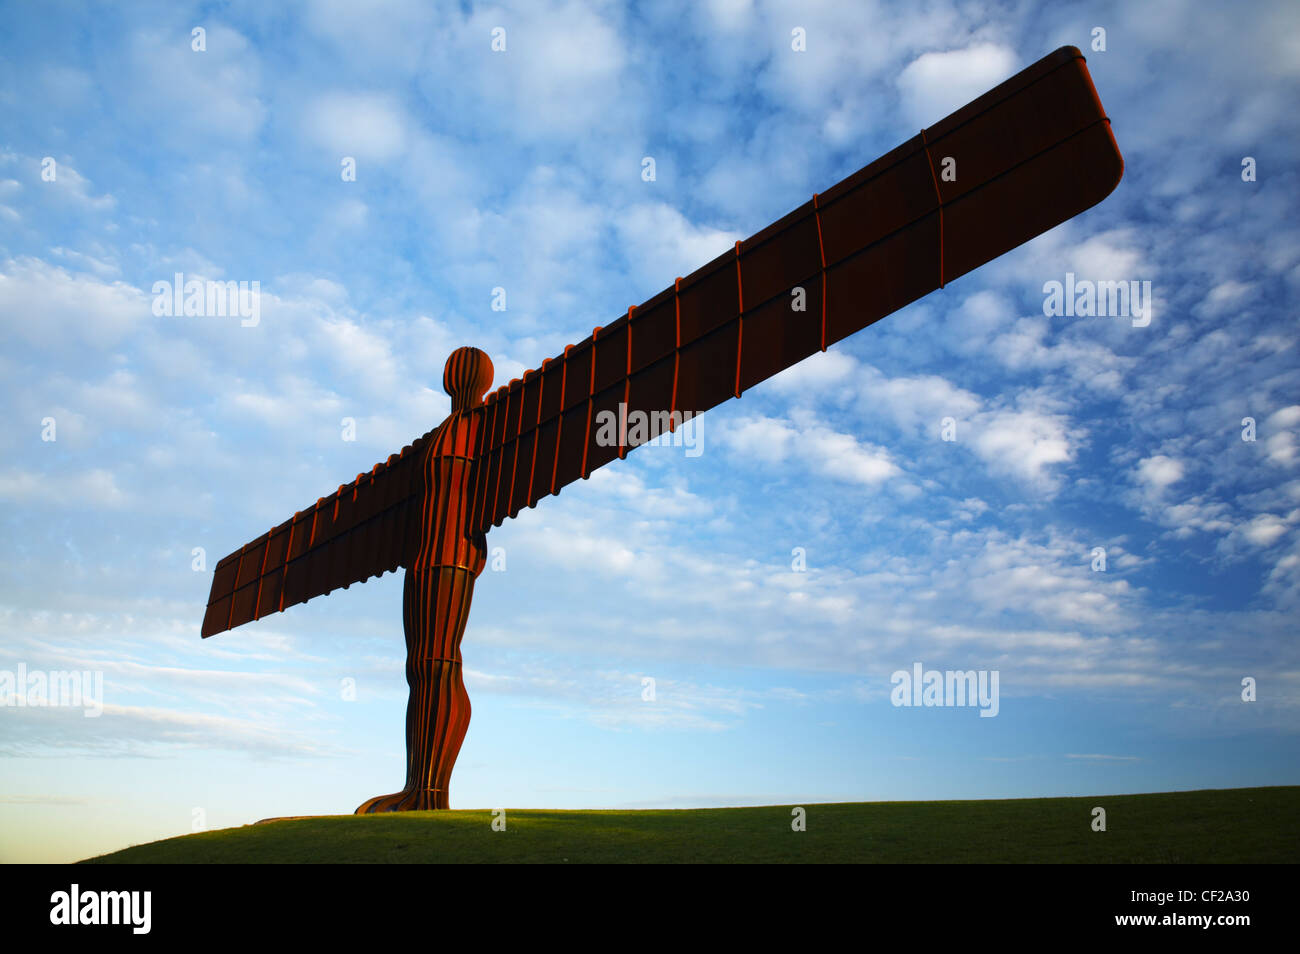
(522, 170)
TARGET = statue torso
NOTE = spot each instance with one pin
(445, 531)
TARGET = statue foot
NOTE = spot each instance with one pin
(407, 800)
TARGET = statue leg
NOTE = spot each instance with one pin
(435, 608)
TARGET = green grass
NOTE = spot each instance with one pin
(1213, 826)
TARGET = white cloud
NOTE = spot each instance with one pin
(1050, 579)
(560, 74)
(917, 404)
(366, 354)
(1105, 758)
(186, 96)
(819, 372)
(1159, 472)
(1226, 296)
(91, 489)
(50, 307)
(765, 439)
(1023, 443)
(361, 125)
(660, 243)
(1279, 432)
(142, 731)
(1264, 529)
(76, 187)
(935, 84)
(810, 444)
(844, 457)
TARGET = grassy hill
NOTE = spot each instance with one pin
(1213, 826)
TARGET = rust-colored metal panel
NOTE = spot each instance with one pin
(544, 461)
(552, 385)
(1045, 114)
(492, 423)
(491, 482)
(477, 488)
(223, 577)
(1014, 86)
(249, 562)
(295, 585)
(577, 376)
(870, 171)
(523, 475)
(604, 408)
(773, 263)
(365, 550)
(708, 297)
(573, 441)
(336, 558)
(982, 224)
(216, 619)
(529, 405)
(272, 588)
(510, 412)
(706, 374)
(276, 547)
(898, 270)
(244, 605)
(611, 355)
(878, 206)
(312, 569)
(654, 329)
(501, 501)
(301, 536)
(777, 336)
(335, 516)
(503, 457)
(364, 500)
(381, 547)
(407, 523)
(393, 534)
(647, 389)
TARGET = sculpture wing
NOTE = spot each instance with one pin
(363, 529)
(1019, 160)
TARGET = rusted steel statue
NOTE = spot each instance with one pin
(1022, 158)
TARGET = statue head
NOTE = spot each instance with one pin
(467, 377)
